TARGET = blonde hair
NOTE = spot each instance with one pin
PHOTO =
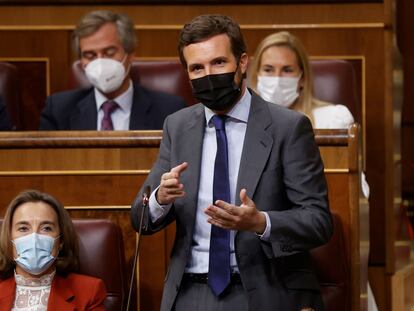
(306, 101)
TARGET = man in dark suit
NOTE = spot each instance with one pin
(244, 182)
(105, 42)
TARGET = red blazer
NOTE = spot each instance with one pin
(74, 292)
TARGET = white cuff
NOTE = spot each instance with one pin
(266, 234)
(156, 210)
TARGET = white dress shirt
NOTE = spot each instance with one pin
(236, 126)
(121, 116)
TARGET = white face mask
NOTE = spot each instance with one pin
(106, 74)
(282, 91)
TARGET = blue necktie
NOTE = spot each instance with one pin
(219, 260)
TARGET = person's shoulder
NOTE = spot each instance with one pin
(70, 96)
(186, 113)
(83, 279)
(87, 289)
(78, 282)
(332, 108)
(332, 116)
(7, 281)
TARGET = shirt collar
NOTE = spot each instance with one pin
(240, 111)
(124, 100)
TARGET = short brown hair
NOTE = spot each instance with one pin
(92, 21)
(204, 27)
(68, 258)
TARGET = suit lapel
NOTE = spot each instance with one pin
(61, 295)
(191, 146)
(85, 115)
(7, 294)
(257, 147)
(140, 105)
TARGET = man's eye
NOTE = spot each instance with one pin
(110, 53)
(89, 56)
(196, 68)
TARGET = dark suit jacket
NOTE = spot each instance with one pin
(283, 173)
(5, 124)
(74, 292)
(76, 110)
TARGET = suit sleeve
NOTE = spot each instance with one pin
(98, 297)
(305, 222)
(47, 119)
(161, 166)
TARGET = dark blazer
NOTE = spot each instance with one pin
(5, 124)
(76, 110)
(74, 292)
(283, 173)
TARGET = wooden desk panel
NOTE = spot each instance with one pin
(97, 175)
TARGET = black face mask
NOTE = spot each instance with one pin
(217, 92)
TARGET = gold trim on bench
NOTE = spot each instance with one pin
(336, 170)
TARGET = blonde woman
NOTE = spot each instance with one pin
(280, 73)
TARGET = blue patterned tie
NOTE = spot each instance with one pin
(219, 260)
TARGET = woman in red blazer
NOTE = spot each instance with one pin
(38, 257)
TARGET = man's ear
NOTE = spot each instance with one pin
(243, 63)
(130, 57)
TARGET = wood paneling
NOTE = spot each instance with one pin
(180, 14)
(342, 30)
(97, 175)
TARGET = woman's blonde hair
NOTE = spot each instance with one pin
(305, 102)
(68, 258)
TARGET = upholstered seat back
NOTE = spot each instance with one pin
(332, 270)
(101, 252)
(334, 81)
(10, 92)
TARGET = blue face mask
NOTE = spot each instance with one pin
(34, 252)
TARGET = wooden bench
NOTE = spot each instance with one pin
(97, 175)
